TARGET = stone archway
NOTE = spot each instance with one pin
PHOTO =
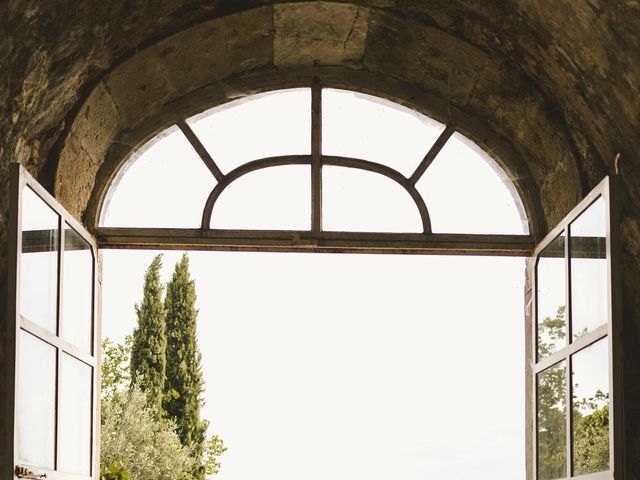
(368, 49)
(552, 92)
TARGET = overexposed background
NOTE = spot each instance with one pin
(335, 366)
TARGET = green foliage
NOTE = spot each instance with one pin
(135, 442)
(214, 448)
(115, 366)
(590, 416)
(112, 468)
(148, 360)
(184, 384)
(591, 434)
(552, 404)
(555, 329)
(139, 439)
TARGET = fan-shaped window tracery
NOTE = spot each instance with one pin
(316, 161)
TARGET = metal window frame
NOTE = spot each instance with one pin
(316, 239)
(21, 179)
(612, 330)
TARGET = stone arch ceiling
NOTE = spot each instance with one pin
(559, 84)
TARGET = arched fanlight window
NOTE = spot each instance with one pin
(314, 164)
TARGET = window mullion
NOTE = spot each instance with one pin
(57, 449)
(61, 243)
(568, 362)
(316, 152)
(432, 154)
(200, 150)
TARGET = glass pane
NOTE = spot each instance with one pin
(589, 270)
(38, 261)
(552, 422)
(356, 200)
(371, 128)
(551, 283)
(75, 416)
(270, 199)
(590, 374)
(466, 192)
(268, 125)
(77, 304)
(36, 401)
(165, 185)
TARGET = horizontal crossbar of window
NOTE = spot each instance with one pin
(34, 241)
(307, 241)
(581, 247)
(56, 341)
(574, 347)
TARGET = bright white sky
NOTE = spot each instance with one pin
(340, 367)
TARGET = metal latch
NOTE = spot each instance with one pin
(26, 472)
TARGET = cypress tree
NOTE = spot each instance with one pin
(148, 360)
(184, 384)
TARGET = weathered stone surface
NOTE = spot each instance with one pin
(140, 84)
(74, 186)
(88, 141)
(423, 55)
(210, 52)
(319, 33)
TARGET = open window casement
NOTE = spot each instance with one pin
(53, 332)
(573, 354)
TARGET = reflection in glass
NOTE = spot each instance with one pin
(77, 305)
(272, 198)
(38, 261)
(588, 248)
(371, 128)
(267, 125)
(36, 397)
(359, 201)
(164, 185)
(551, 294)
(552, 422)
(75, 416)
(590, 399)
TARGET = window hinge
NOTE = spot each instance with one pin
(25, 472)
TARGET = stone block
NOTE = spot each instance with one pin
(75, 177)
(319, 33)
(140, 86)
(423, 55)
(207, 53)
(97, 123)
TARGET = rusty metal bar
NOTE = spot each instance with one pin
(432, 154)
(307, 160)
(316, 155)
(306, 241)
(243, 170)
(389, 173)
(200, 150)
